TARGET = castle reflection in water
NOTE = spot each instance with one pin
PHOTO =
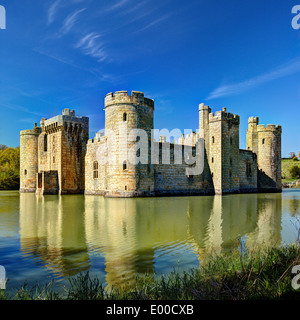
(66, 233)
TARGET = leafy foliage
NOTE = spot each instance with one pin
(295, 172)
(9, 168)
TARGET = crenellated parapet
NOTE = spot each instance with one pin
(224, 116)
(253, 120)
(67, 121)
(122, 97)
(269, 128)
(35, 131)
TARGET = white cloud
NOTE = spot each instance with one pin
(236, 88)
(118, 5)
(52, 11)
(92, 47)
(70, 21)
(153, 23)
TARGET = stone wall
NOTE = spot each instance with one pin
(173, 178)
(47, 183)
(248, 171)
(95, 171)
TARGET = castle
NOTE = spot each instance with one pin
(58, 157)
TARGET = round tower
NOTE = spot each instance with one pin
(123, 114)
(269, 157)
(29, 158)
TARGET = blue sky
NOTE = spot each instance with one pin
(243, 55)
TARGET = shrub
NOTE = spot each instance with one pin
(295, 172)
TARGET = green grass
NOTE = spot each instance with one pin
(247, 276)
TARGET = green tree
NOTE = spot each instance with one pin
(295, 172)
(9, 168)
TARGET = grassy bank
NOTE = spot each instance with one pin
(251, 275)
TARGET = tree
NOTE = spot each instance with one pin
(9, 168)
(292, 155)
(3, 147)
(295, 172)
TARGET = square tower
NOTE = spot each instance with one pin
(62, 148)
(224, 151)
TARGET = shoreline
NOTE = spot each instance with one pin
(256, 275)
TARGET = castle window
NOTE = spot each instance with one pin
(25, 172)
(213, 139)
(125, 165)
(212, 174)
(95, 171)
(125, 188)
(231, 161)
(212, 160)
(263, 141)
(45, 143)
(231, 140)
(230, 173)
(125, 116)
(53, 159)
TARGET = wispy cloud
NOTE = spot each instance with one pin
(21, 109)
(154, 23)
(233, 89)
(96, 73)
(52, 10)
(117, 5)
(91, 46)
(69, 22)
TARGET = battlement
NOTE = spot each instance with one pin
(68, 112)
(254, 120)
(35, 131)
(224, 116)
(62, 121)
(99, 137)
(122, 97)
(269, 128)
(203, 107)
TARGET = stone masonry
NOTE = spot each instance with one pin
(59, 158)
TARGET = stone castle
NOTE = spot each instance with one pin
(58, 157)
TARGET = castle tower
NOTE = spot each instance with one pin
(224, 151)
(61, 151)
(29, 158)
(252, 134)
(269, 158)
(204, 112)
(124, 113)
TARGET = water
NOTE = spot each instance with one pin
(56, 237)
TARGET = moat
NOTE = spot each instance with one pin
(54, 237)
